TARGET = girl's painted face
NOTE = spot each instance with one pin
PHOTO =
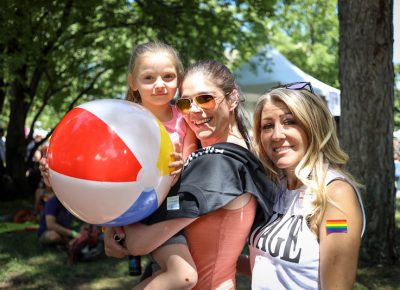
(155, 78)
(282, 138)
(209, 125)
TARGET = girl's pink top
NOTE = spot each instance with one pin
(176, 127)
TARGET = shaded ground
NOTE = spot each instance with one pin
(25, 266)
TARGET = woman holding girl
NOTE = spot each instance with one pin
(216, 197)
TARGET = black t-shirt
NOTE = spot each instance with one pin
(211, 178)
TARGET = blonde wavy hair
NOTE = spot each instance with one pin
(323, 151)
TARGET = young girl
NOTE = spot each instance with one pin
(155, 73)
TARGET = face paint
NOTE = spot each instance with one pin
(336, 226)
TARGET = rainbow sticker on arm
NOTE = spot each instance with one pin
(336, 226)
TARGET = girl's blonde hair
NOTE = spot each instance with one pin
(323, 151)
(149, 48)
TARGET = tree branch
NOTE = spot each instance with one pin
(88, 88)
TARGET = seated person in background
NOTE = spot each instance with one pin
(55, 224)
(42, 194)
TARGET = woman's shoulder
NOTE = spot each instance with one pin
(340, 188)
(344, 194)
(235, 151)
(338, 175)
(223, 153)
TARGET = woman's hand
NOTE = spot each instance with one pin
(142, 239)
(44, 171)
(112, 247)
(177, 164)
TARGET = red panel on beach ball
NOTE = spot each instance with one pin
(83, 146)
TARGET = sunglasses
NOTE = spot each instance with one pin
(202, 101)
(295, 86)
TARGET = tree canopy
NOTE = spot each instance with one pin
(307, 33)
(56, 54)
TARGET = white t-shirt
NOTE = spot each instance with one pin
(284, 253)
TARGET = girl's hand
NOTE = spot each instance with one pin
(44, 171)
(112, 247)
(176, 165)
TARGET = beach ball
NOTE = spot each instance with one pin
(108, 162)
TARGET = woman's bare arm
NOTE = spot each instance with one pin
(339, 250)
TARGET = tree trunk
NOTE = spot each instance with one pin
(367, 91)
(16, 144)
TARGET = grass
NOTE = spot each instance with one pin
(25, 266)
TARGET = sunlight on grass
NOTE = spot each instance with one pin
(14, 269)
(24, 265)
(379, 278)
(357, 286)
(4, 255)
(42, 259)
(126, 282)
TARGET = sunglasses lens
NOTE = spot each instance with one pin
(183, 105)
(205, 101)
(297, 86)
(294, 86)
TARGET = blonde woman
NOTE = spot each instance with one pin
(312, 240)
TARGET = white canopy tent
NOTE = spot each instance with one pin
(278, 70)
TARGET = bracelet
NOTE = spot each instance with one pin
(73, 233)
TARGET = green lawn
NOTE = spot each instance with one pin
(25, 266)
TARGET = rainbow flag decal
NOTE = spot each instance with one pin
(336, 226)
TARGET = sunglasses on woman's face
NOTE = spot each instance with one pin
(202, 101)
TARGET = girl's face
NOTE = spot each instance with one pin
(282, 138)
(210, 125)
(156, 79)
